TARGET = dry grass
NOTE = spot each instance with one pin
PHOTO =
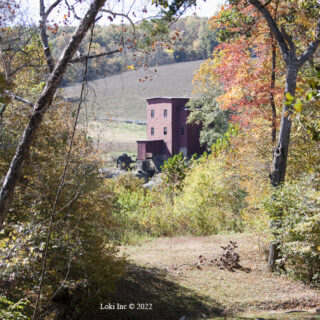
(116, 137)
(237, 293)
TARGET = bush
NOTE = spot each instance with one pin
(13, 311)
(129, 198)
(294, 210)
(211, 199)
(173, 173)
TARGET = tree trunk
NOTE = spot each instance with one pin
(281, 152)
(288, 50)
(273, 79)
(40, 108)
(272, 86)
(273, 255)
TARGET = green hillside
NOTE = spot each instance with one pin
(123, 96)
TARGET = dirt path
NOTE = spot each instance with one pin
(205, 291)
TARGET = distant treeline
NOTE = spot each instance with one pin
(149, 44)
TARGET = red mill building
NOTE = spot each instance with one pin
(168, 132)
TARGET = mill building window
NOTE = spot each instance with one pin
(152, 131)
(152, 113)
(165, 113)
(165, 131)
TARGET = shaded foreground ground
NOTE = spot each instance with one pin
(167, 274)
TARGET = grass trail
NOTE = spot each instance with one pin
(166, 273)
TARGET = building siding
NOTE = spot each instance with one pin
(173, 142)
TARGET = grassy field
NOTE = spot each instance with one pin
(166, 273)
(123, 96)
(116, 136)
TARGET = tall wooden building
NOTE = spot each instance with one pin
(168, 132)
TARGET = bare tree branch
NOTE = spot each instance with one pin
(84, 58)
(51, 8)
(122, 15)
(27, 65)
(15, 97)
(289, 40)
(43, 32)
(2, 110)
(71, 8)
(311, 49)
(273, 27)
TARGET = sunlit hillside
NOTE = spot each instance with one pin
(123, 95)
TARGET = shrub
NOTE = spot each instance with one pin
(13, 311)
(129, 197)
(294, 210)
(211, 199)
(173, 173)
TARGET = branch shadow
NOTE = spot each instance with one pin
(151, 288)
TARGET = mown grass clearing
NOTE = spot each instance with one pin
(166, 273)
(115, 138)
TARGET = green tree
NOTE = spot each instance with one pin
(205, 111)
(174, 171)
(208, 39)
